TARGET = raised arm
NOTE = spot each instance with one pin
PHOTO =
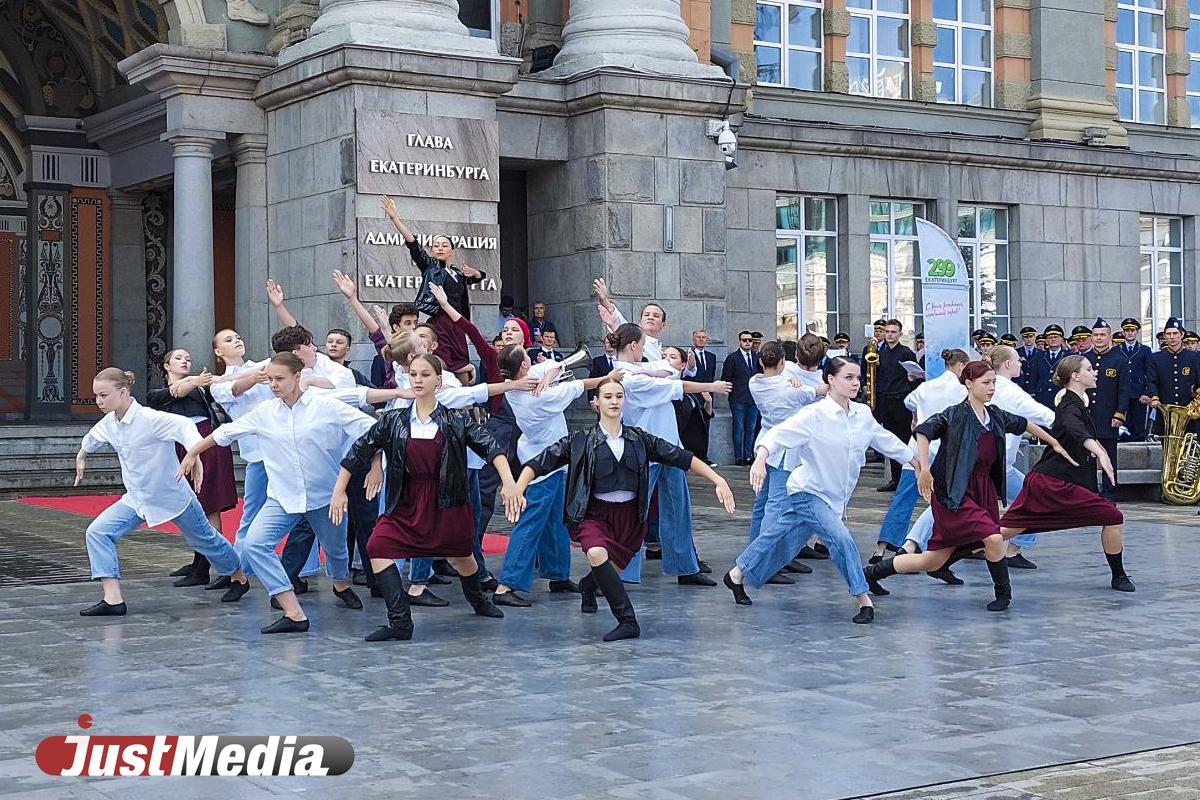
(345, 285)
(275, 297)
(716, 387)
(389, 208)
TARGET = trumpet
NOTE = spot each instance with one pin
(578, 358)
(872, 361)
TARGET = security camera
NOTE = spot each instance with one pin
(726, 140)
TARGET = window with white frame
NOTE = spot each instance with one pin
(1161, 261)
(1141, 62)
(983, 240)
(962, 58)
(1193, 47)
(895, 262)
(806, 274)
(788, 38)
(879, 48)
(482, 17)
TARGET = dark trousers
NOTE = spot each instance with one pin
(361, 516)
(1107, 490)
(693, 433)
(892, 415)
(745, 418)
(1135, 420)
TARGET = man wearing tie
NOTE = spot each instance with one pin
(1044, 390)
(1029, 378)
(706, 372)
(602, 365)
(739, 367)
(546, 350)
(1138, 355)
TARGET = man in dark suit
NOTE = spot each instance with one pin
(892, 385)
(1045, 389)
(1110, 398)
(1138, 355)
(602, 364)
(706, 372)
(1173, 374)
(739, 367)
(1030, 366)
(546, 350)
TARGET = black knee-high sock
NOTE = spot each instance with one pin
(1116, 564)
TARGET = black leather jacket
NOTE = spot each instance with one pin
(390, 434)
(959, 429)
(577, 452)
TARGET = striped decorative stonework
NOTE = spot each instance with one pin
(89, 293)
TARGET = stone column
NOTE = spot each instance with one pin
(192, 294)
(419, 25)
(127, 238)
(250, 241)
(645, 35)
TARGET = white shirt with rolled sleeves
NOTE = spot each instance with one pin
(242, 404)
(651, 347)
(325, 367)
(832, 444)
(145, 443)
(302, 446)
(1015, 400)
(541, 419)
(777, 400)
(648, 404)
(933, 397)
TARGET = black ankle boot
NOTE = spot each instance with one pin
(874, 573)
(399, 616)
(609, 581)
(197, 575)
(999, 571)
(478, 600)
(587, 595)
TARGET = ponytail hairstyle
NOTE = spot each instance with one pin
(625, 335)
(120, 378)
(510, 359)
(400, 347)
(1000, 354)
(1065, 369)
(833, 367)
(438, 365)
(974, 371)
(286, 359)
(771, 354)
(953, 355)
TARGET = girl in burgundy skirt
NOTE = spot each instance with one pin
(188, 395)
(608, 479)
(428, 512)
(1061, 492)
(965, 483)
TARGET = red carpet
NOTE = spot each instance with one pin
(90, 505)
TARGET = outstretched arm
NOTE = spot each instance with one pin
(724, 493)
(275, 296)
(346, 286)
(389, 208)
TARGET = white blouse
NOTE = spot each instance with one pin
(648, 404)
(240, 405)
(1015, 400)
(541, 418)
(777, 400)
(933, 397)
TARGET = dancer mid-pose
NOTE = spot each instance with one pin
(966, 482)
(145, 442)
(607, 495)
(831, 437)
(303, 434)
(428, 512)
(1060, 492)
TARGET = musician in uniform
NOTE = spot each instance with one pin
(1026, 351)
(1108, 401)
(984, 343)
(1173, 373)
(1045, 390)
(1138, 356)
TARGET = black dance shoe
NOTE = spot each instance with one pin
(873, 584)
(488, 584)
(286, 624)
(194, 578)
(439, 580)
(890, 486)
(779, 579)
(558, 587)
(103, 609)
(235, 591)
(445, 568)
(427, 599)
(222, 582)
(865, 616)
(696, 579)
(626, 630)
(875, 559)
(300, 586)
(386, 632)
(510, 599)
(1122, 584)
(739, 591)
(587, 603)
(358, 577)
(349, 598)
(487, 608)
(797, 568)
(184, 570)
(1019, 561)
(704, 567)
(654, 554)
(812, 553)
(946, 576)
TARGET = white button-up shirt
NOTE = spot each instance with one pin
(651, 347)
(777, 400)
(933, 397)
(1015, 400)
(648, 404)
(325, 367)
(302, 446)
(832, 445)
(541, 418)
(145, 443)
(240, 405)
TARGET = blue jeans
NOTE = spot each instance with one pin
(1014, 479)
(674, 526)
(745, 417)
(899, 513)
(253, 496)
(777, 545)
(540, 534)
(483, 513)
(270, 526)
(772, 497)
(119, 519)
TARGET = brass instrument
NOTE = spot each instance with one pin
(580, 357)
(872, 361)
(1180, 455)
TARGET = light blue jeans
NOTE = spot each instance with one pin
(271, 524)
(772, 498)
(540, 534)
(119, 519)
(253, 496)
(1014, 479)
(899, 513)
(674, 526)
(778, 544)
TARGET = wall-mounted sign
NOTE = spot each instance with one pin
(411, 155)
(386, 273)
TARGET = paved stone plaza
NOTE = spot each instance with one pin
(785, 699)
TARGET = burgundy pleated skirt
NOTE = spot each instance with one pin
(978, 516)
(1047, 503)
(218, 492)
(617, 527)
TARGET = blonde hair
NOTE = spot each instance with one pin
(400, 347)
(1001, 353)
(120, 378)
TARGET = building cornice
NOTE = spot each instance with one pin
(170, 70)
(631, 90)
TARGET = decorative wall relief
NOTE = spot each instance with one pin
(89, 235)
(158, 301)
(48, 277)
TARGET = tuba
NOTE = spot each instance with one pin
(1180, 455)
(872, 360)
(579, 358)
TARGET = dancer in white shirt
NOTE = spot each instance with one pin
(145, 440)
(832, 436)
